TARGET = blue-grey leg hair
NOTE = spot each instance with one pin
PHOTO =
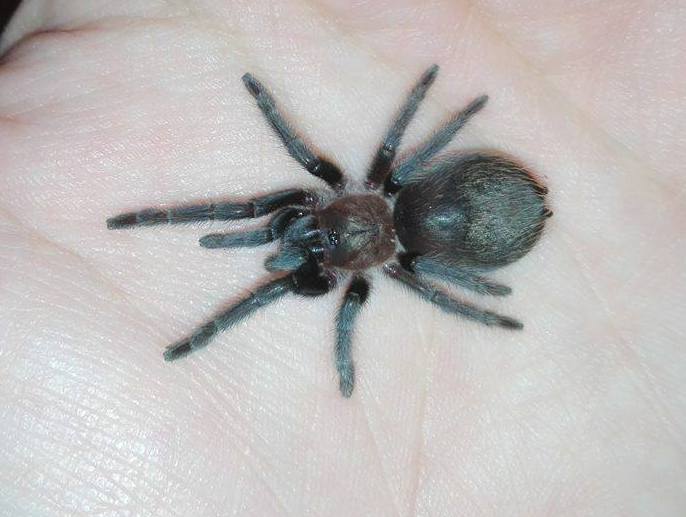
(381, 165)
(433, 145)
(287, 259)
(464, 277)
(295, 146)
(302, 231)
(251, 238)
(262, 296)
(445, 301)
(247, 239)
(256, 207)
(354, 299)
(298, 238)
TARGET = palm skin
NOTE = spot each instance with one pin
(107, 107)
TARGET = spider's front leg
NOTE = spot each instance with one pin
(253, 208)
(308, 280)
(355, 297)
(250, 238)
(296, 147)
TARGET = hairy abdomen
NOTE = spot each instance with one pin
(475, 210)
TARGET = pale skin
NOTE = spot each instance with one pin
(107, 107)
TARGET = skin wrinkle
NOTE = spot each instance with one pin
(41, 281)
(80, 406)
(46, 241)
(100, 28)
(642, 28)
(649, 391)
(421, 439)
(417, 479)
(515, 419)
(68, 473)
(379, 459)
(679, 214)
(114, 289)
(113, 449)
(588, 120)
(259, 466)
(262, 479)
(388, 476)
(222, 413)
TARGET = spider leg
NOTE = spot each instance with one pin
(251, 238)
(295, 146)
(309, 280)
(262, 296)
(354, 299)
(403, 172)
(301, 241)
(469, 279)
(381, 165)
(256, 207)
(445, 301)
(247, 239)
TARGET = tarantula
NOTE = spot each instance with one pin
(454, 217)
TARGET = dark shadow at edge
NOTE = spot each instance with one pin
(7, 9)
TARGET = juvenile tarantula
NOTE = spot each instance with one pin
(455, 216)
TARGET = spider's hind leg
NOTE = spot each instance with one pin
(446, 302)
(432, 146)
(381, 165)
(435, 267)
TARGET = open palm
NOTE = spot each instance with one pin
(107, 107)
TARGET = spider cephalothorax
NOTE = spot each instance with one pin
(455, 217)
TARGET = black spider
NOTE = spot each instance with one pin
(454, 218)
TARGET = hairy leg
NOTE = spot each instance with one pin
(355, 297)
(474, 281)
(262, 296)
(251, 238)
(381, 165)
(230, 211)
(308, 280)
(404, 171)
(446, 302)
(315, 165)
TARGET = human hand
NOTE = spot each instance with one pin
(107, 107)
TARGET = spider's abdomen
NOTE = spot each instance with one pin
(476, 210)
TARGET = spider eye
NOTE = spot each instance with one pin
(334, 238)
